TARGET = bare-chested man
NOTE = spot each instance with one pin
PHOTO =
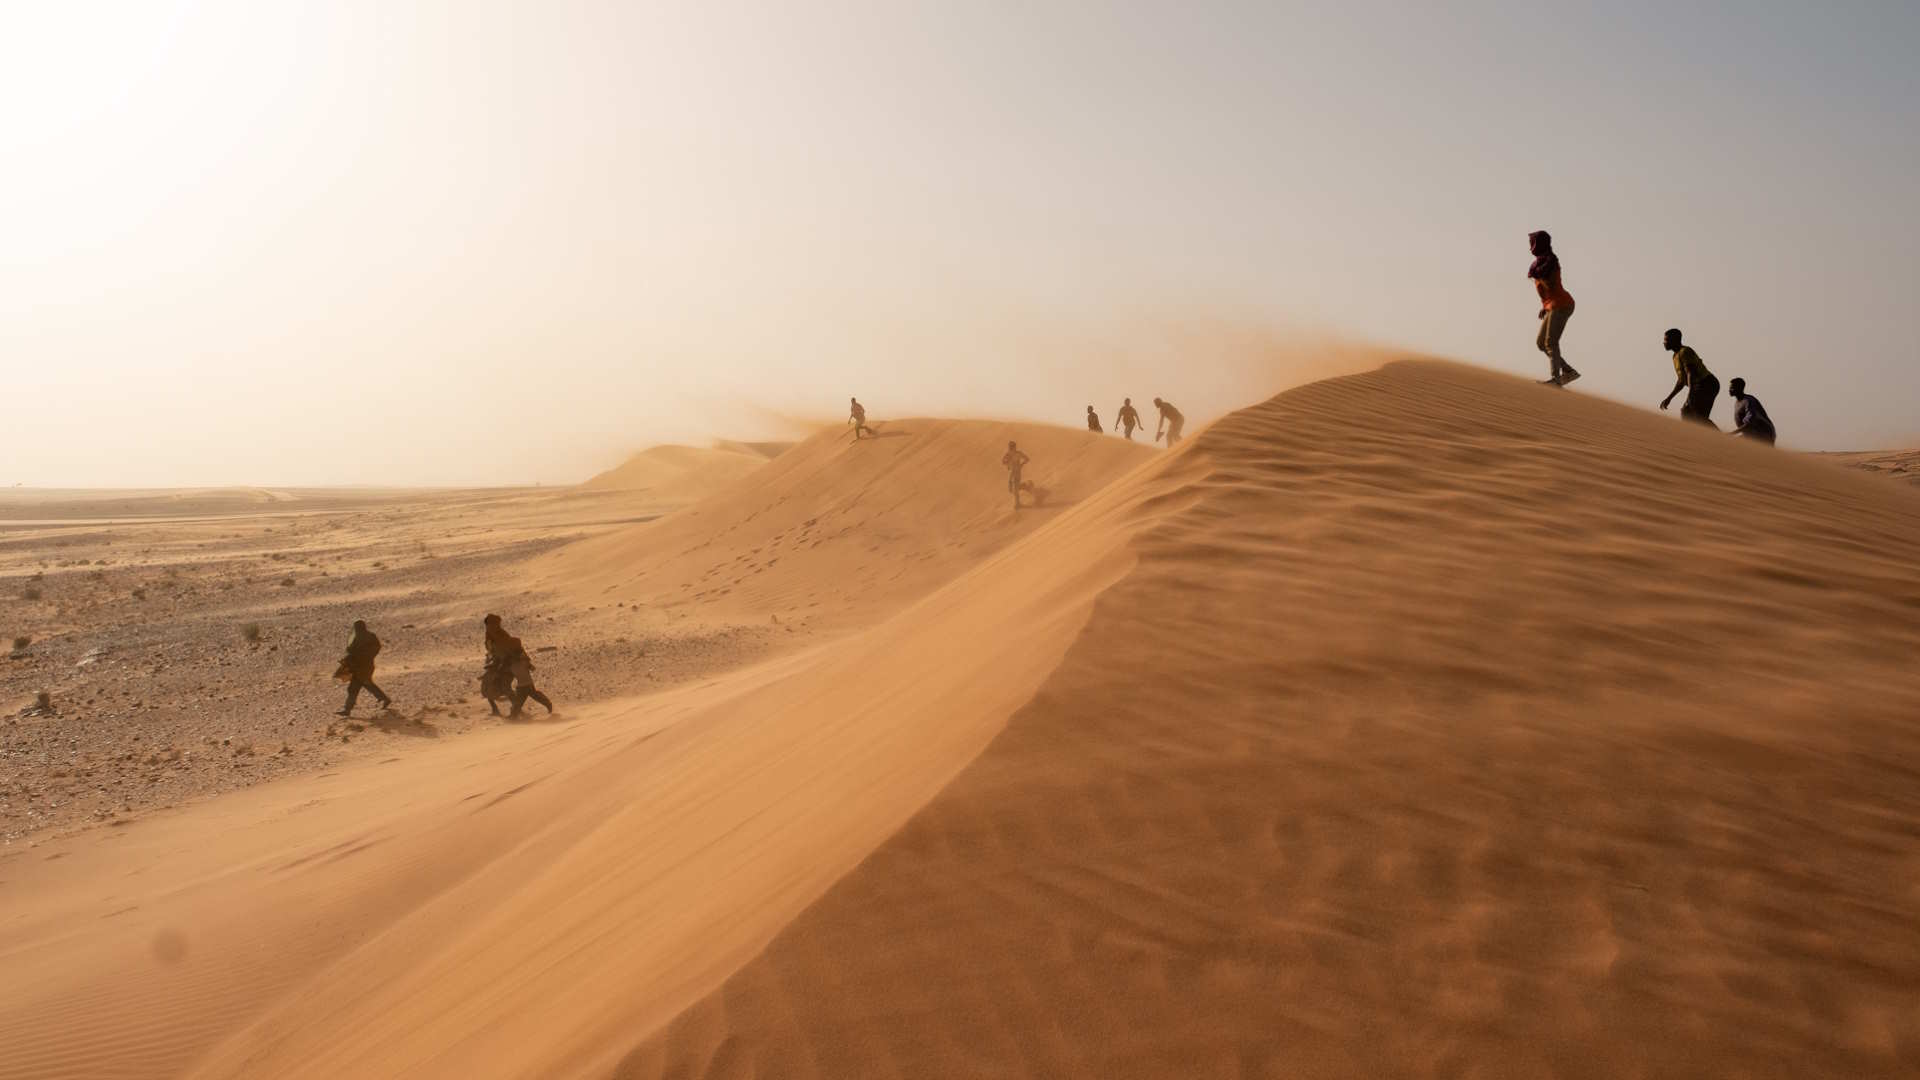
(1014, 459)
(1170, 422)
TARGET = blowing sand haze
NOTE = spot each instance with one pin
(624, 541)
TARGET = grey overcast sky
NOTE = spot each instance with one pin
(356, 242)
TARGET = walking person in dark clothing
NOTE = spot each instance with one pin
(1127, 418)
(1093, 420)
(507, 657)
(1556, 307)
(358, 665)
(1750, 419)
(857, 416)
(1690, 373)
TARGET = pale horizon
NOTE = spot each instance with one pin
(451, 245)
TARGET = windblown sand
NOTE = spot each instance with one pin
(1423, 722)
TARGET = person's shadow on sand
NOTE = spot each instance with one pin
(398, 724)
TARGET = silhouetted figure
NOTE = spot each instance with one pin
(1127, 418)
(1170, 422)
(1556, 307)
(857, 416)
(1692, 375)
(358, 664)
(1015, 460)
(1750, 419)
(1093, 420)
(507, 659)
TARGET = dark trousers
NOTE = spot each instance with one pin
(1700, 395)
(358, 682)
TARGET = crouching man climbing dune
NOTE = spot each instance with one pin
(1690, 374)
(1171, 421)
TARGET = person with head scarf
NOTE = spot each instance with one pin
(1556, 307)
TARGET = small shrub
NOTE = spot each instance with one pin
(31, 592)
(251, 631)
(21, 642)
(286, 582)
(139, 594)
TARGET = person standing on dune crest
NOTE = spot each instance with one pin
(1093, 420)
(1127, 418)
(1170, 422)
(1750, 419)
(1015, 460)
(358, 667)
(1556, 307)
(857, 416)
(1690, 373)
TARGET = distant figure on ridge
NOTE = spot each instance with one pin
(357, 665)
(1093, 420)
(1127, 419)
(1170, 422)
(505, 655)
(857, 416)
(1690, 373)
(1750, 419)
(1556, 307)
(1015, 460)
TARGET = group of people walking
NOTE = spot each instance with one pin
(1126, 419)
(1750, 419)
(506, 676)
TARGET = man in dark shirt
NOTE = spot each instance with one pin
(358, 666)
(1750, 419)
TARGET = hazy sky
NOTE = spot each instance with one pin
(340, 242)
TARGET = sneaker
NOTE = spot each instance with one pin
(344, 712)
(387, 704)
(1568, 376)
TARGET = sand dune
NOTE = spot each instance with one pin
(1899, 464)
(838, 533)
(1444, 726)
(1419, 723)
(686, 473)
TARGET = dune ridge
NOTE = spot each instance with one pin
(1443, 725)
(681, 473)
(840, 533)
